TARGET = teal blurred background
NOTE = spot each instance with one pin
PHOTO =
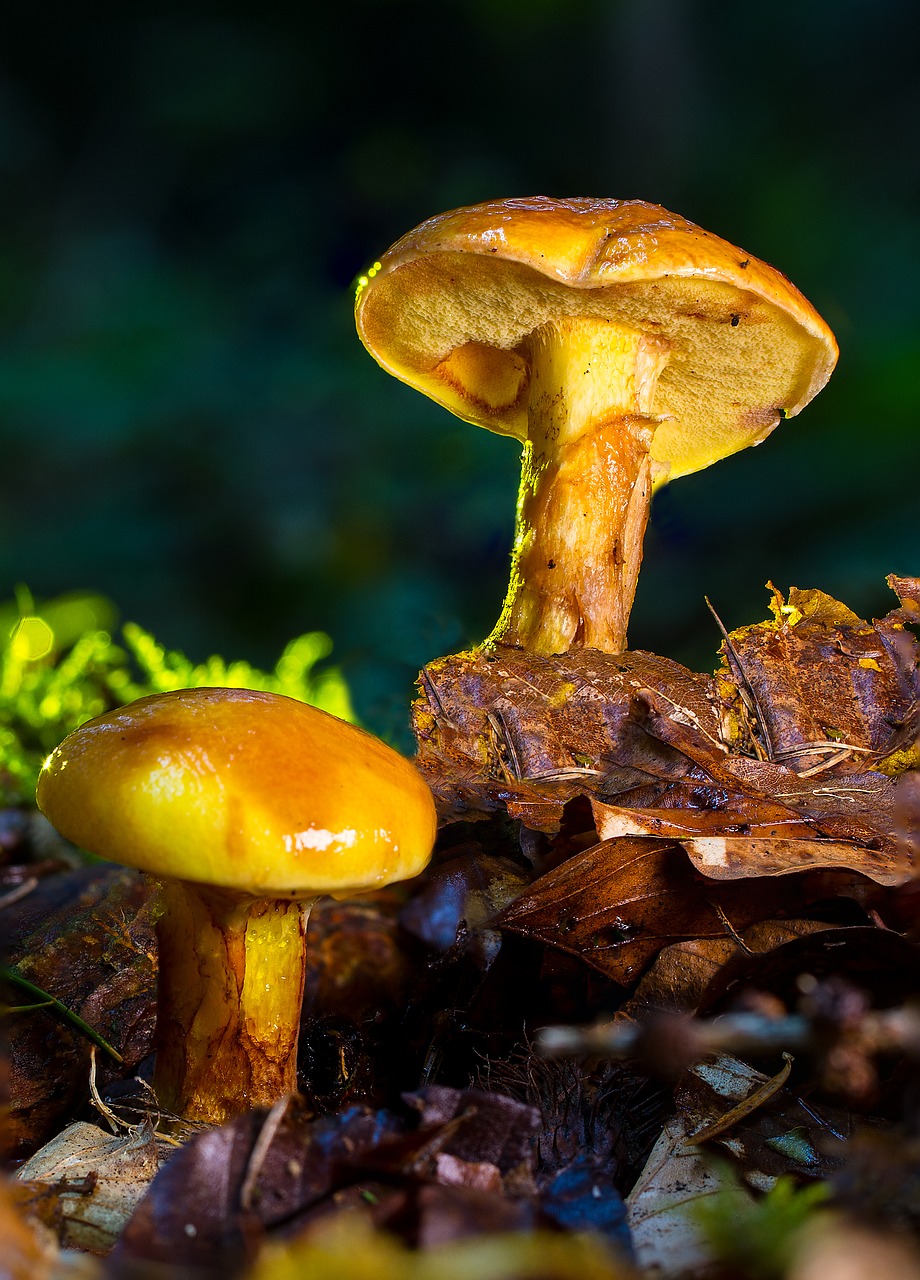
(189, 424)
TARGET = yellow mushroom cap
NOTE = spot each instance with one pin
(449, 307)
(246, 790)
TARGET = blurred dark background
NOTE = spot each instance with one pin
(189, 423)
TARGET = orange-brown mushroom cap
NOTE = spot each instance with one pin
(449, 307)
(250, 791)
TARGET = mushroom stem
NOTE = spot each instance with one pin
(586, 486)
(231, 977)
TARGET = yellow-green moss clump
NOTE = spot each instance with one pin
(60, 665)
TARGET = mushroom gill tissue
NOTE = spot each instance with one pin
(622, 345)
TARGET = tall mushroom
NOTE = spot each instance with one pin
(622, 345)
(245, 807)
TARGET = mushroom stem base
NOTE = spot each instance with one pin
(581, 524)
(586, 486)
(231, 976)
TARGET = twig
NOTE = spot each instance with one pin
(732, 931)
(730, 1033)
(435, 697)
(747, 1106)
(754, 703)
(823, 744)
(825, 764)
(102, 1107)
(21, 891)
(564, 774)
(880, 1031)
(500, 729)
(260, 1150)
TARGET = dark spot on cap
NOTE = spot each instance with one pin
(736, 320)
(744, 262)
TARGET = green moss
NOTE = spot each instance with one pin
(60, 665)
(758, 1241)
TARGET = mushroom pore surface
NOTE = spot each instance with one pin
(622, 345)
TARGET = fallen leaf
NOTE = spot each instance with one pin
(86, 1183)
(850, 824)
(782, 1136)
(503, 725)
(86, 937)
(619, 903)
(227, 1188)
(825, 685)
(817, 694)
(880, 962)
(192, 1214)
(29, 1249)
(494, 1128)
(681, 973)
(667, 1238)
(731, 857)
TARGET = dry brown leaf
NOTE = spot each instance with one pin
(849, 823)
(616, 905)
(227, 1188)
(784, 1135)
(731, 857)
(503, 726)
(667, 1236)
(713, 843)
(86, 1183)
(879, 962)
(28, 1249)
(86, 937)
(755, 818)
(683, 971)
(825, 685)
(782, 738)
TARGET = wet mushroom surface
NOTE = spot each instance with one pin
(668, 915)
(244, 807)
(622, 345)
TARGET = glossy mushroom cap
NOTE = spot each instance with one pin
(450, 307)
(248, 791)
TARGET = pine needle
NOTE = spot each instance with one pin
(8, 974)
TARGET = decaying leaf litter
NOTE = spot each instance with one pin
(651, 1007)
(624, 843)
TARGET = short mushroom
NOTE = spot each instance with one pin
(622, 345)
(245, 807)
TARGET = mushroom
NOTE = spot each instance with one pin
(622, 345)
(245, 807)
